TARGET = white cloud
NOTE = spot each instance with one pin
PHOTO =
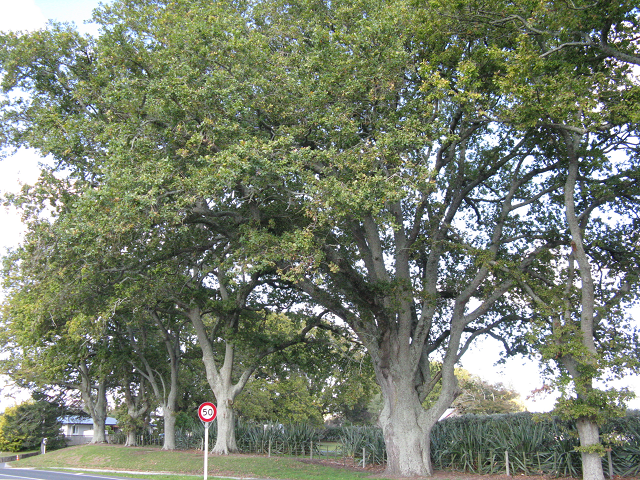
(21, 15)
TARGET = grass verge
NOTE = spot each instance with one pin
(185, 464)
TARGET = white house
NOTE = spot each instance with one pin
(80, 429)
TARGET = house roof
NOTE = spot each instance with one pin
(78, 420)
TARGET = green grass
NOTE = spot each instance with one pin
(329, 446)
(179, 464)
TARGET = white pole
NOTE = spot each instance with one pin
(506, 459)
(206, 449)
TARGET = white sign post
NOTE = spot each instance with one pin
(207, 413)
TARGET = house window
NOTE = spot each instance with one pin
(74, 430)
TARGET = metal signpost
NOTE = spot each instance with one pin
(207, 413)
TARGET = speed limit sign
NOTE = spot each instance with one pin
(207, 412)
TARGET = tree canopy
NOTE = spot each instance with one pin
(424, 174)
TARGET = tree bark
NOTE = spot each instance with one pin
(169, 404)
(226, 438)
(589, 434)
(137, 407)
(94, 405)
(220, 382)
(406, 434)
(405, 423)
(171, 338)
(169, 418)
(131, 439)
(588, 430)
(99, 421)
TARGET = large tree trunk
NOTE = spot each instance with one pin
(171, 337)
(221, 385)
(137, 408)
(169, 405)
(406, 433)
(589, 434)
(405, 423)
(169, 418)
(94, 404)
(99, 435)
(131, 439)
(226, 438)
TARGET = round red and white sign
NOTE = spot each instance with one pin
(207, 412)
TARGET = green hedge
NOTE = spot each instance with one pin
(477, 444)
(471, 443)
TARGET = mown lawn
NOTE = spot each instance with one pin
(186, 463)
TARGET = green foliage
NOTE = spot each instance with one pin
(127, 423)
(472, 443)
(285, 400)
(327, 375)
(367, 440)
(536, 445)
(598, 405)
(23, 426)
(287, 439)
(10, 441)
(411, 168)
(479, 397)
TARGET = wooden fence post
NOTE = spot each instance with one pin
(506, 460)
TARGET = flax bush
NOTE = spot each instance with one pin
(470, 443)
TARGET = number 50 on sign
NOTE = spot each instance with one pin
(207, 412)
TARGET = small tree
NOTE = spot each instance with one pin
(481, 397)
(23, 426)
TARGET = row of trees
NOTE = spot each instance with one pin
(414, 175)
(301, 397)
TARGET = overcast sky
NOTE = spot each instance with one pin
(31, 15)
(23, 168)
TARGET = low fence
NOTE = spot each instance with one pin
(513, 444)
(73, 440)
(528, 445)
(18, 456)
(616, 463)
(345, 454)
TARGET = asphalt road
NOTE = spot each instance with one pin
(33, 474)
(12, 473)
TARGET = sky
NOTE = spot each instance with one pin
(22, 168)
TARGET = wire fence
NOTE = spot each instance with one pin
(495, 444)
(526, 444)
